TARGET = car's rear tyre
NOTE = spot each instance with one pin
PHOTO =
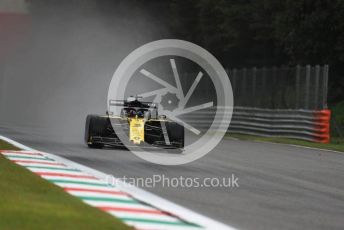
(95, 127)
(176, 133)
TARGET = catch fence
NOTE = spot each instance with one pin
(285, 102)
(299, 87)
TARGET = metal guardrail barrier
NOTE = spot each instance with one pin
(278, 101)
(310, 125)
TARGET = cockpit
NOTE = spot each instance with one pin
(132, 112)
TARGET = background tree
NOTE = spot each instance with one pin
(262, 32)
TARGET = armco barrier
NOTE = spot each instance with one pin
(300, 124)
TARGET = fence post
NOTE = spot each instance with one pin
(325, 86)
(235, 75)
(243, 85)
(263, 99)
(234, 83)
(254, 76)
(316, 94)
(273, 83)
(283, 86)
(297, 85)
(307, 85)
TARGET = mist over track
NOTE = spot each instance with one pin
(59, 71)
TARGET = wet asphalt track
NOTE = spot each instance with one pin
(60, 71)
(281, 187)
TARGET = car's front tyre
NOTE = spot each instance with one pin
(95, 127)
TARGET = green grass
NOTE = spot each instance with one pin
(7, 146)
(336, 144)
(337, 124)
(338, 112)
(29, 202)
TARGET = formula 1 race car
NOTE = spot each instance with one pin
(140, 123)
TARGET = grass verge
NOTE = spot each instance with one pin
(6, 146)
(336, 144)
(29, 202)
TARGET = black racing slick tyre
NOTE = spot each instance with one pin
(95, 127)
(176, 134)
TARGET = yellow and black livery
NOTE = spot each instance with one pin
(140, 123)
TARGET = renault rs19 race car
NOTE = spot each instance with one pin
(140, 123)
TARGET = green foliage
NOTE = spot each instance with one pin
(311, 31)
(338, 112)
(337, 124)
(243, 33)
